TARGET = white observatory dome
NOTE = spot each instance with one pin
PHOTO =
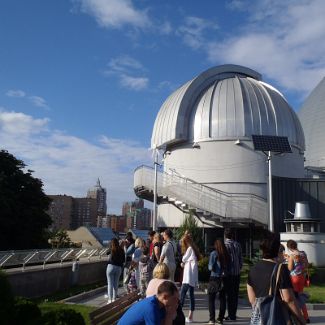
(227, 102)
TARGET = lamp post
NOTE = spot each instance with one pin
(154, 215)
(271, 223)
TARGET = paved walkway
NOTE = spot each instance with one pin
(201, 314)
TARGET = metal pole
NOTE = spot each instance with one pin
(271, 224)
(154, 216)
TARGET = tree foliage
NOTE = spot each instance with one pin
(60, 239)
(190, 224)
(23, 206)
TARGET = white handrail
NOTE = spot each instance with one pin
(195, 195)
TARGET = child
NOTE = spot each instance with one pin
(132, 284)
(146, 267)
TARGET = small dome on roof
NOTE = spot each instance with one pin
(225, 103)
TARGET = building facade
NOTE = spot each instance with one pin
(84, 212)
(99, 194)
(61, 211)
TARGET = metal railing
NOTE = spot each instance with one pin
(41, 257)
(198, 196)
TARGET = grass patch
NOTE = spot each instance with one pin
(317, 293)
(243, 282)
(82, 309)
(72, 291)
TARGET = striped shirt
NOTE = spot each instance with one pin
(236, 260)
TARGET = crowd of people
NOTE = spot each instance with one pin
(149, 268)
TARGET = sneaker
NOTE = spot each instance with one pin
(211, 322)
(106, 296)
(187, 320)
(219, 321)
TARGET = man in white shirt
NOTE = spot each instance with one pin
(168, 253)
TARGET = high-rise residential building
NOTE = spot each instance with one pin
(60, 211)
(99, 194)
(84, 212)
(117, 223)
(137, 216)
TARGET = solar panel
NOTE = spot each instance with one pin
(271, 143)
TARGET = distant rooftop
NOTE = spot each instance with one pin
(103, 235)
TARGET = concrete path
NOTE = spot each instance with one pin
(201, 314)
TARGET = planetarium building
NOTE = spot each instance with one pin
(203, 132)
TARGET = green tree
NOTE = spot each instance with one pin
(23, 206)
(60, 239)
(190, 224)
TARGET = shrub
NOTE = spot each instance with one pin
(204, 273)
(26, 310)
(190, 224)
(62, 317)
(6, 298)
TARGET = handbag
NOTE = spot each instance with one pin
(215, 285)
(273, 310)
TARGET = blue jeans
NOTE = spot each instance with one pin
(184, 289)
(113, 273)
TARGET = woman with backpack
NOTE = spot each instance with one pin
(262, 276)
(191, 255)
(218, 265)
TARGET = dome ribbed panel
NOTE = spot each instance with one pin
(214, 116)
(165, 124)
(225, 106)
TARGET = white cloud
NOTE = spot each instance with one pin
(38, 101)
(15, 93)
(114, 13)
(134, 83)
(124, 63)
(193, 30)
(20, 124)
(70, 165)
(282, 40)
(127, 70)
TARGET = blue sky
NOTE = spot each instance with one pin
(81, 81)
